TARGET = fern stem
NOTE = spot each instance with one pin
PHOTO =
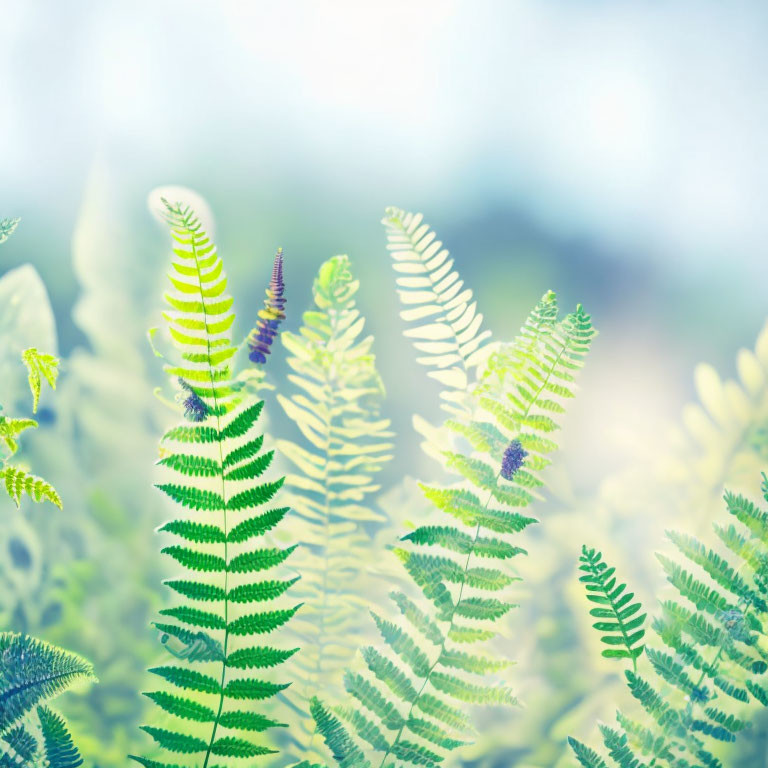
(224, 497)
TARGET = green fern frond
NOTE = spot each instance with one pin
(336, 407)
(445, 325)
(214, 466)
(343, 749)
(7, 228)
(421, 681)
(713, 661)
(39, 366)
(32, 671)
(10, 429)
(18, 482)
(60, 750)
(620, 618)
(18, 748)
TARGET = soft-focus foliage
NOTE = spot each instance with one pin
(335, 401)
(419, 684)
(715, 654)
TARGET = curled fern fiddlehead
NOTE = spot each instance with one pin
(215, 465)
(336, 406)
(410, 706)
(712, 661)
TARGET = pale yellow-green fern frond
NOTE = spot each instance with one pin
(444, 323)
(336, 407)
(40, 365)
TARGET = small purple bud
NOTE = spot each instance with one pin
(195, 408)
(513, 459)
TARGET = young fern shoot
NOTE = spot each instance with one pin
(336, 407)
(620, 622)
(215, 464)
(421, 681)
(695, 690)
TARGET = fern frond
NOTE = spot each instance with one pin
(621, 620)
(18, 482)
(32, 671)
(39, 366)
(215, 468)
(335, 405)
(18, 748)
(60, 750)
(445, 325)
(10, 429)
(7, 228)
(713, 637)
(423, 670)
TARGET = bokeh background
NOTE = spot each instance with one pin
(616, 153)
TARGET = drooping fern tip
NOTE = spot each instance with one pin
(261, 337)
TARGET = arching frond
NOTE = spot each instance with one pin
(444, 323)
(336, 406)
(32, 671)
(215, 468)
(411, 702)
(711, 661)
(60, 750)
(18, 482)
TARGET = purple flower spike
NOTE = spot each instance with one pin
(513, 459)
(262, 336)
(195, 408)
